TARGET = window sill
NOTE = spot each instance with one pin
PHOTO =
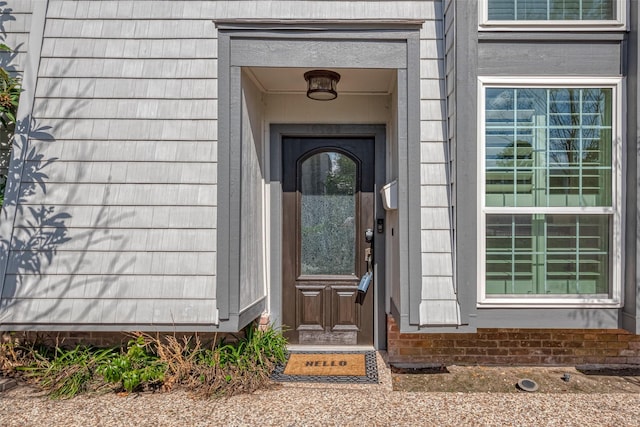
(527, 34)
(514, 302)
(553, 26)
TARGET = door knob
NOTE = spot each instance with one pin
(368, 235)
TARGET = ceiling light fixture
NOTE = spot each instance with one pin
(321, 84)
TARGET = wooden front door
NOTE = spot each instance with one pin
(328, 204)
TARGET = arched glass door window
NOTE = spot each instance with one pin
(328, 214)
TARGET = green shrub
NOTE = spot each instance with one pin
(10, 89)
(239, 367)
(68, 372)
(224, 368)
(9, 95)
(135, 369)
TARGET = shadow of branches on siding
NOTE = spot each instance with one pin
(5, 16)
(34, 229)
(47, 275)
(7, 57)
(30, 233)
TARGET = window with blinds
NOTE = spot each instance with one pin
(547, 254)
(548, 147)
(549, 216)
(559, 15)
(551, 10)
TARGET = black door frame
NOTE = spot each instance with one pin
(277, 132)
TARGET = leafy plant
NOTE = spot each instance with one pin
(135, 369)
(245, 365)
(10, 89)
(69, 372)
(224, 368)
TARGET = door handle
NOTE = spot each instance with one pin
(368, 235)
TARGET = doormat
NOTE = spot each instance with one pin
(331, 367)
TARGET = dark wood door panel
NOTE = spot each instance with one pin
(320, 304)
(345, 312)
(310, 307)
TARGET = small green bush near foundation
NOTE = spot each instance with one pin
(151, 363)
(239, 367)
(66, 373)
(136, 369)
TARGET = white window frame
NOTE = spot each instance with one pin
(615, 211)
(621, 23)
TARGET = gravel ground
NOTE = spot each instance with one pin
(503, 379)
(324, 405)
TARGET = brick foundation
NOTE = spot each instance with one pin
(264, 322)
(514, 347)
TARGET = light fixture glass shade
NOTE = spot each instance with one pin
(321, 84)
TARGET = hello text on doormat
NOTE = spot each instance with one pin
(339, 364)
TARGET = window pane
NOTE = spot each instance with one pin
(547, 254)
(564, 10)
(577, 254)
(502, 10)
(530, 10)
(542, 10)
(328, 212)
(548, 147)
(509, 266)
(598, 9)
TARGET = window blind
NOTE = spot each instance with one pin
(551, 10)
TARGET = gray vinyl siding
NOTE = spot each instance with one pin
(252, 271)
(551, 57)
(15, 24)
(462, 55)
(631, 316)
(438, 304)
(129, 93)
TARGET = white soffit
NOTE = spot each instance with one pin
(352, 81)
